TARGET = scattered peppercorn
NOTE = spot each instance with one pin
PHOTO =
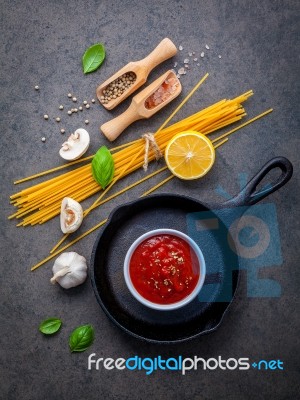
(69, 112)
(74, 99)
(57, 119)
(80, 108)
(36, 87)
(93, 100)
(86, 121)
(87, 106)
(43, 139)
(69, 95)
(46, 116)
(62, 130)
(61, 107)
(84, 102)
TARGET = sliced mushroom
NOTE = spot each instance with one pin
(71, 215)
(76, 145)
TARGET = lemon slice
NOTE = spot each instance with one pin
(189, 155)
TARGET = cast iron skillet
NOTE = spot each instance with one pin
(131, 220)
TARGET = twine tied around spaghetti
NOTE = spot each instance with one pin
(150, 142)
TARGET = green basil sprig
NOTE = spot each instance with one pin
(81, 338)
(103, 167)
(50, 326)
(93, 58)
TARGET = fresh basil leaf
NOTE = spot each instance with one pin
(103, 167)
(81, 338)
(50, 326)
(93, 58)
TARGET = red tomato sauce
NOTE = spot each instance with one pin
(164, 269)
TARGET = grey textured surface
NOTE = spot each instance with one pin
(41, 44)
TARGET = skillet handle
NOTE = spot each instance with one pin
(249, 196)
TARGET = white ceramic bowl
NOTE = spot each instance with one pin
(178, 304)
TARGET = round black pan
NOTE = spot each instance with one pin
(131, 220)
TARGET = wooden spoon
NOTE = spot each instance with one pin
(141, 69)
(142, 105)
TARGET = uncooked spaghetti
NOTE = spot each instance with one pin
(41, 202)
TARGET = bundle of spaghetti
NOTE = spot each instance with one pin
(41, 202)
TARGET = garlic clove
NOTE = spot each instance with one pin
(69, 269)
(71, 215)
(77, 144)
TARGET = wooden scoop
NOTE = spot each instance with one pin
(141, 69)
(144, 104)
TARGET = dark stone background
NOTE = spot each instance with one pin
(41, 44)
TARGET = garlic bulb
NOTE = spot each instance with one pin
(69, 269)
(76, 145)
(71, 215)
